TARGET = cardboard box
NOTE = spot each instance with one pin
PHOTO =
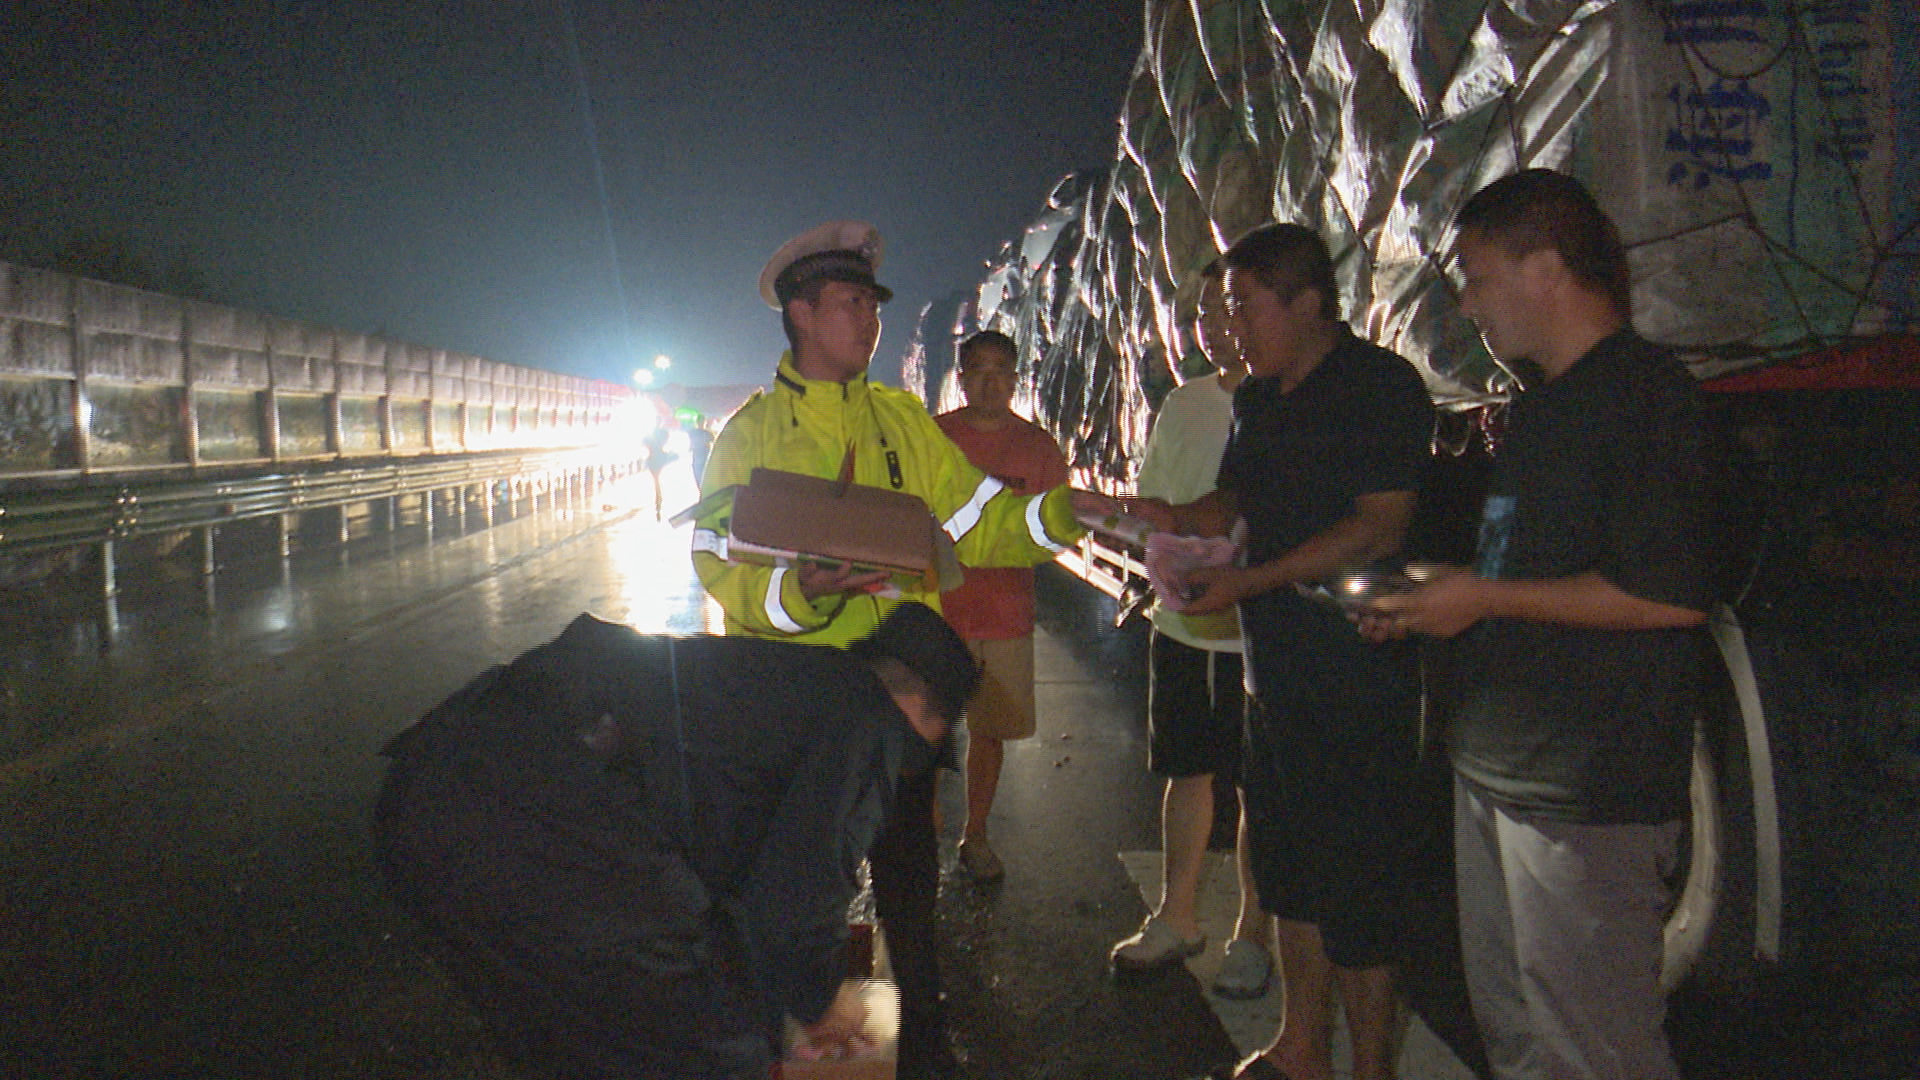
(783, 516)
(883, 1030)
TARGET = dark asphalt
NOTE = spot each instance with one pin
(186, 891)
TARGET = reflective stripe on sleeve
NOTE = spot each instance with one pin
(776, 611)
(1037, 528)
(711, 542)
(968, 516)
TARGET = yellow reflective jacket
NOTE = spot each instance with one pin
(806, 426)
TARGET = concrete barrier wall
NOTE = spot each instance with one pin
(99, 378)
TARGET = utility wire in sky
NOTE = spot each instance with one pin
(600, 180)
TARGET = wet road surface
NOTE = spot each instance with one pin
(186, 890)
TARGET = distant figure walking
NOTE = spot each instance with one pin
(699, 446)
(658, 458)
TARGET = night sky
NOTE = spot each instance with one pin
(428, 170)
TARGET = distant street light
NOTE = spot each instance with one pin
(643, 377)
(662, 362)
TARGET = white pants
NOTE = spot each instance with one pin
(1560, 930)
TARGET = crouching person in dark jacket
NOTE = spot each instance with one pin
(635, 854)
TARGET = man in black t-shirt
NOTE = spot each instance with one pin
(1578, 645)
(1330, 434)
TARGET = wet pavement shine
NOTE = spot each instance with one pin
(186, 888)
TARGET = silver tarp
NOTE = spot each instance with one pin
(1758, 155)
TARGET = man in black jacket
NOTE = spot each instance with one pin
(635, 854)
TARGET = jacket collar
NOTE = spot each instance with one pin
(818, 391)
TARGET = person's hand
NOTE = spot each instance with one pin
(817, 580)
(1221, 588)
(1092, 504)
(839, 1031)
(1447, 603)
(1377, 624)
(1155, 511)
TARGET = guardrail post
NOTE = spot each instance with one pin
(208, 566)
(283, 528)
(426, 512)
(109, 579)
(189, 408)
(82, 404)
(336, 420)
(270, 419)
(109, 593)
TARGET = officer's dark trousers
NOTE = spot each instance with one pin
(906, 885)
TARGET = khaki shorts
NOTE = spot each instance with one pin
(1003, 706)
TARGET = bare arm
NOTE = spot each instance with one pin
(1376, 528)
(1211, 514)
(1457, 600)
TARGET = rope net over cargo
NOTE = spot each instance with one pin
(1758, 156)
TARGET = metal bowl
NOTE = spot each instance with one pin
(1356, 590)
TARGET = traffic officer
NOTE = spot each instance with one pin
(824, 418)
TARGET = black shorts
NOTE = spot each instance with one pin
(1196, 710)
(1335, 828)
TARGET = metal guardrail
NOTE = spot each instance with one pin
(1116, 571)
(42, 520)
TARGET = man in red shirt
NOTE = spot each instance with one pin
(993, 608)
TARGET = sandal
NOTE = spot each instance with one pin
(1254, 1068)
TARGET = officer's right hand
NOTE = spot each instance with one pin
(1155, 511)
(817, 580)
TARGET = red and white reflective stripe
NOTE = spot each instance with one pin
(965, 518)
(776, 611)
(711, 542)
(1037, 528)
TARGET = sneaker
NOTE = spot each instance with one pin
(1155, 946)
(979, 861)
(1245, 971)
